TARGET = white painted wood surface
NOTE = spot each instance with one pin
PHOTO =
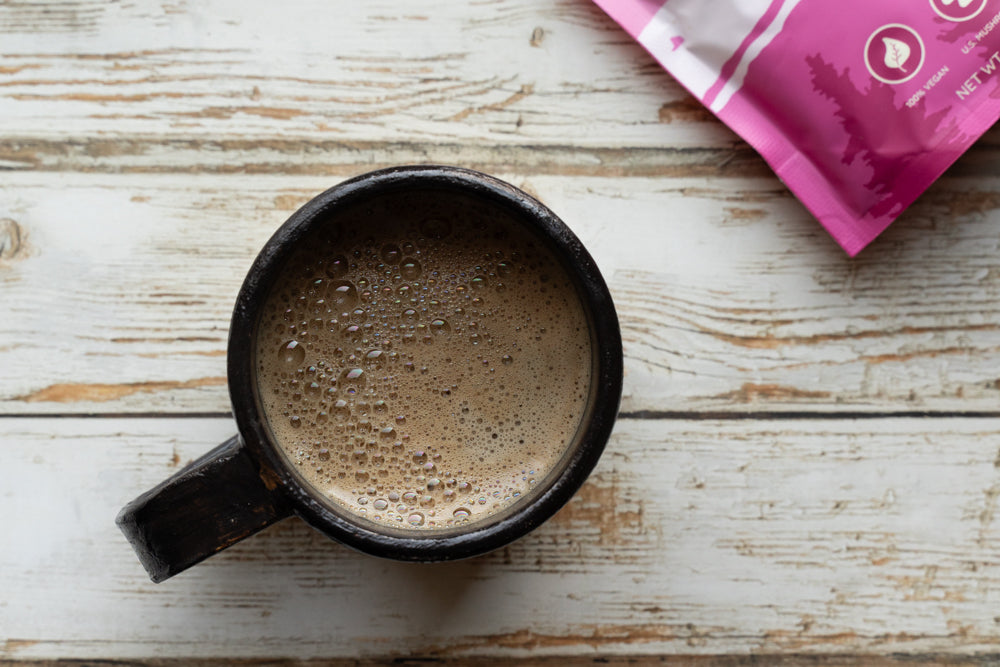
(731, 298)
(700, 537)
(809, 456)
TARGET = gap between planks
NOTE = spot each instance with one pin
(130, 154)
(638, 415)
(324, 157)
(754, 660)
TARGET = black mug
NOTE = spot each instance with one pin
(247, 483)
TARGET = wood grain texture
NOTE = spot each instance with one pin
(757, 660)
(692, 537)
(769, 496)
(731, 298)
(555, 86)
(504, 72)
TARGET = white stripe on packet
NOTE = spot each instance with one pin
(735, 82)
(711, 33)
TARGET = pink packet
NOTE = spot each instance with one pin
(858, 105)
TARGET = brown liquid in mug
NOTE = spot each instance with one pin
(424, 361)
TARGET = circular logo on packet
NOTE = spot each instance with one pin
(958, 10)
(894, 53)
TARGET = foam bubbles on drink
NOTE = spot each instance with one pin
(292, 353)
(410, 270)
(426, 368)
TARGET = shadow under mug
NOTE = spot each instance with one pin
(247, 483)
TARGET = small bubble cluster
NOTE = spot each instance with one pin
(422, 362)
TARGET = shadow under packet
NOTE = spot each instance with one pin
(858, 106)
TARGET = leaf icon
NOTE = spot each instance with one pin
(896, 53)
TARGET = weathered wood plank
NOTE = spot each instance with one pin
(692, 537)
(755, 660)
(117, 291)
(502, 69)
(151, 87)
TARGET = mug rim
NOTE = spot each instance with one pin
(481, 536)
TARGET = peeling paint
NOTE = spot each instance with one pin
(687, 110)
(525, 91)
(750, 392)
(97, 392)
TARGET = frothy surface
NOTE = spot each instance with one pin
(424, 361)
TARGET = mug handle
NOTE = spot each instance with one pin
(211, 504)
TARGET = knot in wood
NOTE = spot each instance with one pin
(11, 239)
